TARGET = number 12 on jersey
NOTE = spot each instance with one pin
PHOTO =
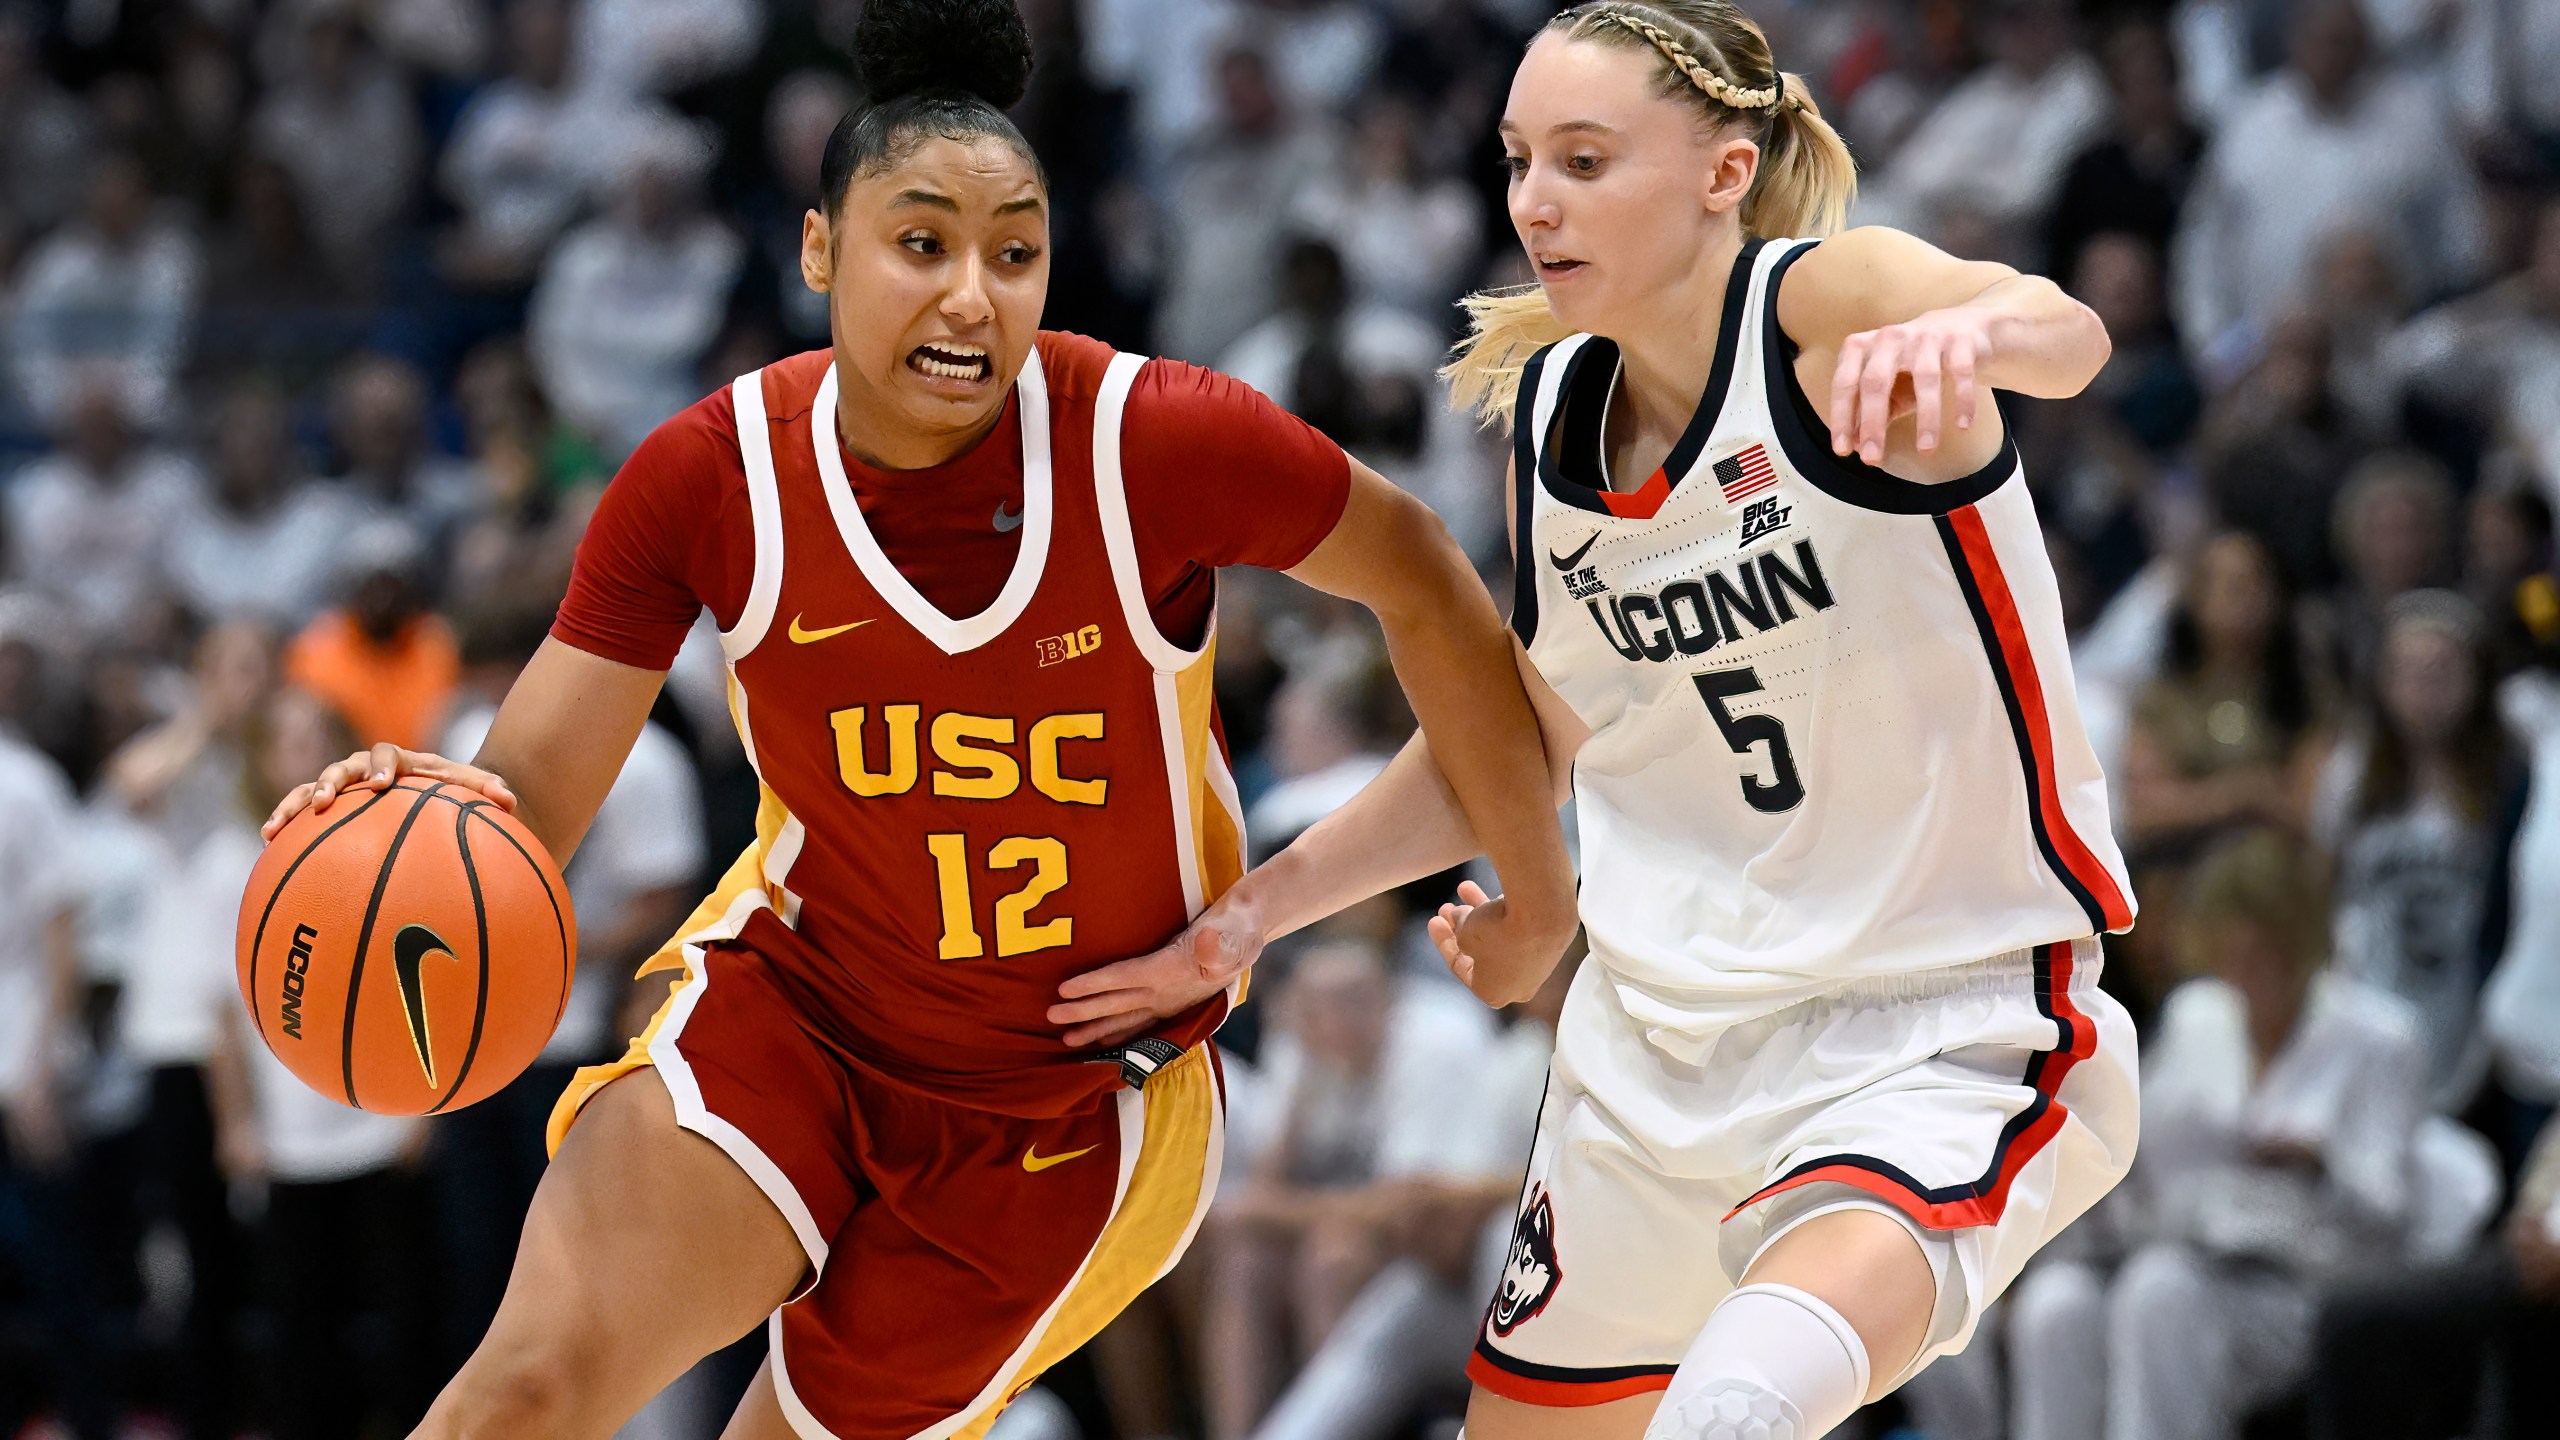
(1015, 935)
(1741, 732)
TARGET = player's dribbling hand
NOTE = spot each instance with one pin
(378, 766)
(1924, 368)
(1490, 949)
(1121, 1000)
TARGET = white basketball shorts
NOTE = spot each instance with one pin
(1989, 1104)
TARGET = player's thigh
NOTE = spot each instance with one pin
(1493, 1417)
(1868, 1266)
(646, 1242)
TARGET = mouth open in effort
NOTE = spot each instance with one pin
(952, 360)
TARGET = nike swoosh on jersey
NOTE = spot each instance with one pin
(1035, 1162)
(801, 636)
(409, 950)
(1567, 562)
(1005, 524)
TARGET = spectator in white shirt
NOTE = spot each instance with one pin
(1230, 194)
(1407, 237)
(630, 301)
(337, 1253)
(1432, 1234)
(343, 126)
(2329, 143)
(631, 48)
(1371, 1087)
(522, 160)
(39, 980)
(265, 541)
(190, 811)
(89, 525)
(114, 292)
(1335, 721)
(2286, 1144)
(1994, 151)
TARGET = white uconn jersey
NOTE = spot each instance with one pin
(1834, 734)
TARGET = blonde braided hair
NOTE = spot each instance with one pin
(1805, 185)
(1725, 91)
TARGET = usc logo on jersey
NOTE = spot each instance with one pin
(973, 755)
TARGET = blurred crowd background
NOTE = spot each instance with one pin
(323, 323)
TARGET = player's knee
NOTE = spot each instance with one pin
(1731, 1409)
(1772, 1363)
(527, 1391)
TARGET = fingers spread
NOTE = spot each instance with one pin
(1960, 363)
(384, 763)
(1844, 392)
(1472, 893)
(1875, 393)
(1926, 393)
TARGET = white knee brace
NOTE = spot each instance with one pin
(1772, 1363)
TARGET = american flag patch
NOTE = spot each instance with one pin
(1744, 473)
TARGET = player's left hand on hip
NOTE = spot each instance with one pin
(1492, 949)
(1123, 999)
(1924, 368)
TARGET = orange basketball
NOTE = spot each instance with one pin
(406, 950)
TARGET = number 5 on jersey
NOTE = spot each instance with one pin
(1773, 796)
(1015, 935)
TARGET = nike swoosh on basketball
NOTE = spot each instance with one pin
(1567, 562)
(1005, 524)
(801, 635)
(409, 950)
(1035, 1162)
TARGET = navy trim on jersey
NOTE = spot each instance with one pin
(1579, 444)
(1979, 1202)
(1524, 465)
(1806, 436)
(2037, 819)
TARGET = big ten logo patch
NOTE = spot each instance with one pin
(1058, 648)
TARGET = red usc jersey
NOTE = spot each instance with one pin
(960, 811)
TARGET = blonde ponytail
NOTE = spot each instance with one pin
(1807, 180)
(1715, 58)
(1504, 328)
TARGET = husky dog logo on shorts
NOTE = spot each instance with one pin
(1529, 1272)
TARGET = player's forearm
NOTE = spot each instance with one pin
(2043, 342)
(1402, 826)
(1454, 658)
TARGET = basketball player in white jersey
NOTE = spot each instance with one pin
(1839, 1065)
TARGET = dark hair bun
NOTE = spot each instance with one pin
(979, 47)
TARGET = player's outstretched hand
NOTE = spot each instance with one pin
(1489, 949)
(379, 766)
(1924, 367)
(1123, 999)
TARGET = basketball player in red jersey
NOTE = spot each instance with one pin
(964, 573)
